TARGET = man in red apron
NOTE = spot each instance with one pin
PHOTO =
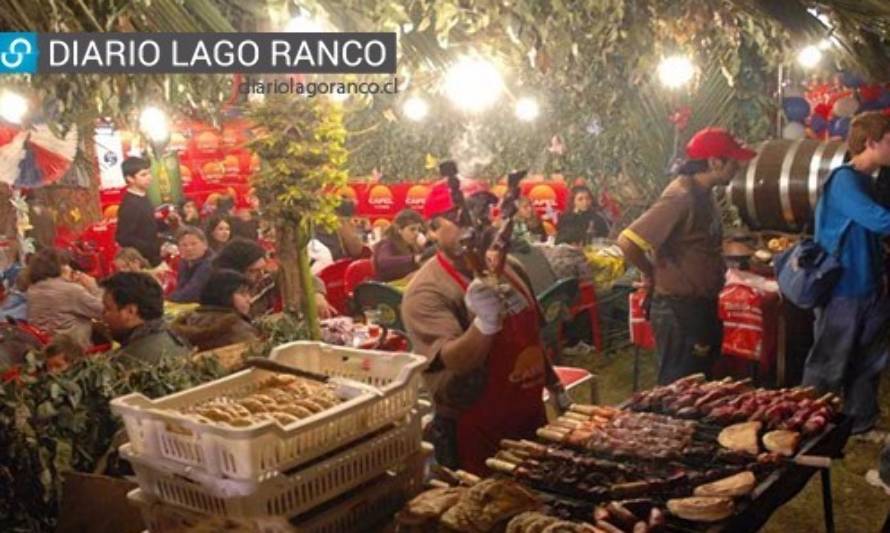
(487, 369)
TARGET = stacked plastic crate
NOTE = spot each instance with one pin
(333, 471)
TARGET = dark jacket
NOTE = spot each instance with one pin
(581, 227)
(391, 261)
(191, 278)
(136, 227)
(209, 327)
(148, 342)
(248, 229)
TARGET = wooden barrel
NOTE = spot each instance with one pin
(778, 189)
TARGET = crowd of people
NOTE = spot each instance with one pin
(220, 264)
(487, 368)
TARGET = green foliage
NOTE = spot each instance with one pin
(592, 65)
(276, 330)
(52, 423)
(300, 142)
(78, 100)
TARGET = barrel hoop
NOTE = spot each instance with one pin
(749, 185)
(785, 181)
(838, 158)
(813, 178)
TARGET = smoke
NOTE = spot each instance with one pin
(470, 153)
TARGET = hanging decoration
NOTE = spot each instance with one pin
(834, 105)
(35, 157)
(680, 117)
(22, 224)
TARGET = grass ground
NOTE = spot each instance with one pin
(858, 507)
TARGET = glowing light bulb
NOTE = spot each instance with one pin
(415, 108)
(154, 124)
(675, 71)
(13, 107)
(527, 109)
(473, 84)
(809, 56)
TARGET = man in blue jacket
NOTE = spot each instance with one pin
(850, 351)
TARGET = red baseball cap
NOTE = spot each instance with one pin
(439, 200)
(717, 142)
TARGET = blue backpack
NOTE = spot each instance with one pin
(807, 273)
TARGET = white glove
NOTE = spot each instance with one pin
(486, 303)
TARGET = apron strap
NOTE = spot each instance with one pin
(519, 285)
(450, 269)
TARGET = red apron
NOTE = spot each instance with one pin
(511, 406)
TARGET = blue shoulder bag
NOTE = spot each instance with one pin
(807, 273)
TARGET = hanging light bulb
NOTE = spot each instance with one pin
(13, 106)
(303, 23)
(809, 56)
(154, 124)
(473, 84)
(415, 108)
(676, 71)
(527, 109)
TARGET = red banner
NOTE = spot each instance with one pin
(216, 161)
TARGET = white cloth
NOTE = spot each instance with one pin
(319, 255)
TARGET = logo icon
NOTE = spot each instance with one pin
(18, 52)
(380, 196)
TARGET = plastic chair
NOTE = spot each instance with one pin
(334, 276)
(357, 272)
(555, 303)
(381, 297)
(587, 304)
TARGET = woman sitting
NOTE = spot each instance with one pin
(582, 217)
(222, 319)
(195, 265)
(129, 259)
(398, 254)
(61, 300)
(218, 231)
(189, 212)
(527, 225)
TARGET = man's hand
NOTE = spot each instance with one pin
(325, 309)
(86, 281)
(486, 303)
(645, 282)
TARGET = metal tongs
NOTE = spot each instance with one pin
(274, 366)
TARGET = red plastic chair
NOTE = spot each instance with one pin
(587, 304)
(334, 276)
(641, 334)
(357, 272)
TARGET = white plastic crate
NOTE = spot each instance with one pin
(358, 510)
(157, 430)
(282, 495)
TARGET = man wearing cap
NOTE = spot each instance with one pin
(677, 246)
(487, 369)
